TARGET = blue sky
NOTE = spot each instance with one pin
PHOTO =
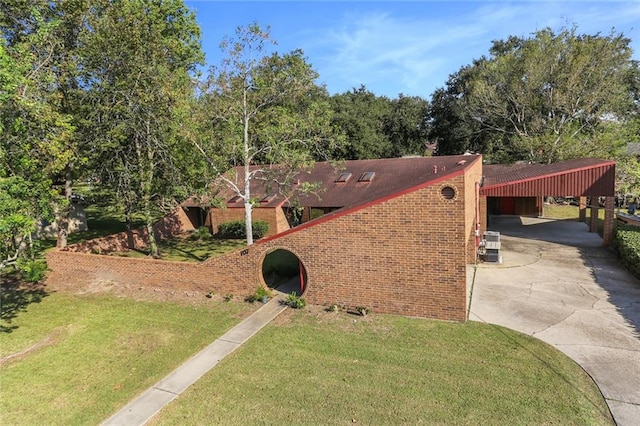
(407, 47)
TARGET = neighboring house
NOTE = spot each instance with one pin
(394, 235)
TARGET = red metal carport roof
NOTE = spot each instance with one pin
(583, 176)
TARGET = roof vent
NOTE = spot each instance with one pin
(343, 177)
(367, 177)
(461, 162)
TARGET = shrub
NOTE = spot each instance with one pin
(200, 234)
(236, 229)
(259, 294)
(627, 244)
(32, 270)
(295, 301)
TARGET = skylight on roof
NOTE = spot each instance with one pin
(268, 198)
(367, 177)
(343, 177)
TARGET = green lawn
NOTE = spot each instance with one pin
(189, 250)
(106, 219)
(92, 354)
(307, 367)
(566, 211)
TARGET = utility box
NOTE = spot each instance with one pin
(491, 242)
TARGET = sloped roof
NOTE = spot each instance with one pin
(389, 176)
(582, 176)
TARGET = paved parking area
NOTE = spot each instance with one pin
(559, 284)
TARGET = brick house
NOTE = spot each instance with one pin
(395, 235)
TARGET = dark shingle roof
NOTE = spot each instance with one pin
(390, 176)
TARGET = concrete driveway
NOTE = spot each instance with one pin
(558, 284)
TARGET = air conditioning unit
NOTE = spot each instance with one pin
(491, 243)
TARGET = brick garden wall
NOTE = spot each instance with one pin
(172, 224)
(406, 255)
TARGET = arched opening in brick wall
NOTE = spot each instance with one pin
(283, 271)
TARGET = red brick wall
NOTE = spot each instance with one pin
(406, 255)
(174, 223)
(81, 269)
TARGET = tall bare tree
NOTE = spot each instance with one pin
(262, 111)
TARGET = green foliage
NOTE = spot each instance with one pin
(379, 127)
(141, 59)
(261, 294)
(361, 115)
(550, 97)
(236, 229)
(294, 301)
(32, 270)
(200, 234)
(627, 243)
(262, 109)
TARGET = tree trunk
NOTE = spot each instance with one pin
(248, 225)
(153, 244)
(64, 212)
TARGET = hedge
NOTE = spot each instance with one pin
(628, 247)
(236, 229)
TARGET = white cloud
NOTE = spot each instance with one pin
(379, 48)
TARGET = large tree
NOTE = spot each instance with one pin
(141, 60)
(541, 99)
(52, 31)
(406, 125)
(362, 116)
(264, 109)
(32, 139)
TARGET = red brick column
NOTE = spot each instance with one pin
(593, 222)
(583, 208)
(607, 233)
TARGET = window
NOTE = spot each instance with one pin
(448, 193)
(343, 177)
(366, 177)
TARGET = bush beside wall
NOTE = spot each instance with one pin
(628, 247)
(236, 229)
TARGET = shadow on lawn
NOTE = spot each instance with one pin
(15, 297)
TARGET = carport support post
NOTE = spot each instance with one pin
(607, 232)
(583, 209)
(593, 220)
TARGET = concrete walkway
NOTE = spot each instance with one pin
(559, 284)
(142, 409)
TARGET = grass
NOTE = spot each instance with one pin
(566, 211)
(188, 250)
(104, 218)
(97, 352)
(308, 367)
(333, 369)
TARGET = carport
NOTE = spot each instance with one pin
(520, 189)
